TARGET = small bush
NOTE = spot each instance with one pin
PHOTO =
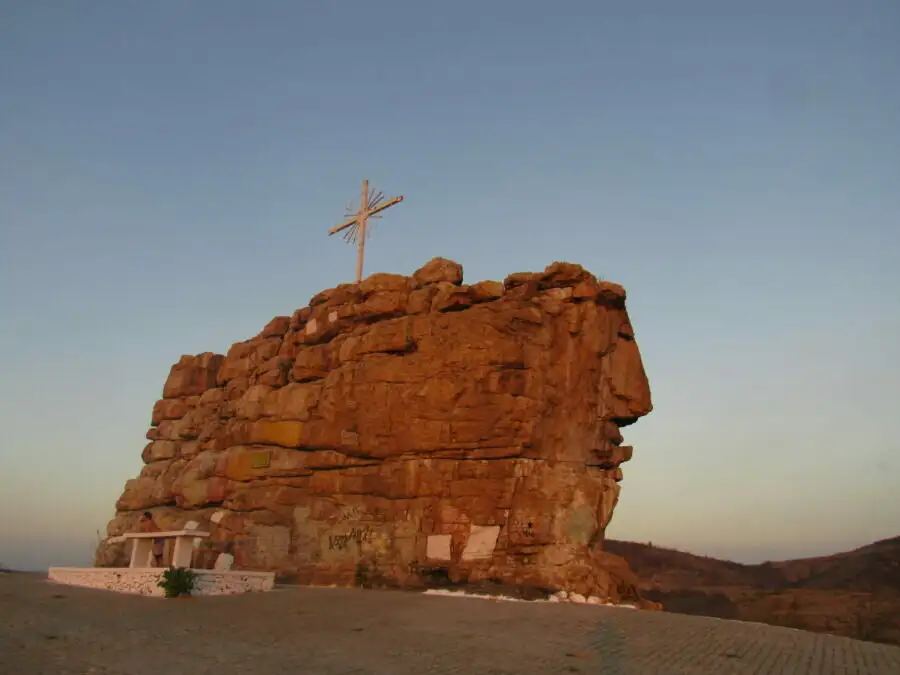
(177, 581)
(362, 576)
(369, 575)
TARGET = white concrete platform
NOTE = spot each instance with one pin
(144, 580)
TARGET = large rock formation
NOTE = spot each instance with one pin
(407, 427)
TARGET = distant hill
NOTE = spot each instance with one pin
(873, 568)
(855, 593)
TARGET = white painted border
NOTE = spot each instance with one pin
(562, 596)
(143, 581)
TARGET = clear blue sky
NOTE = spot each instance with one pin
(168, 171)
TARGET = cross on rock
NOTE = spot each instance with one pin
(355, 228)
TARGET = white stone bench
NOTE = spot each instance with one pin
(142, 551)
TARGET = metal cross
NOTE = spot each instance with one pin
(356, 228)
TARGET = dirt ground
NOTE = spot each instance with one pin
(48, 628)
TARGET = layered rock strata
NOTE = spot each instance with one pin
(405, 429)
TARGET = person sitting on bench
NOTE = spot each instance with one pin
(148, 525)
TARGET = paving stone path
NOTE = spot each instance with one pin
(46, 628)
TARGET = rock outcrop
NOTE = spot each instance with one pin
(408, 428)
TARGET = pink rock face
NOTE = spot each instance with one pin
(406, 426)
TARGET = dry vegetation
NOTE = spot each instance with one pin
(855, 594)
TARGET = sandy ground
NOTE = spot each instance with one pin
(48, 628)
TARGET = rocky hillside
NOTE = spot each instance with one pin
(407, 428)
(855, 593)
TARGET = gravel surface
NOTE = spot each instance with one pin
(48, 628)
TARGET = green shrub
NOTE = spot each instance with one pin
(177, 581)
(368, 574)
(363, 575)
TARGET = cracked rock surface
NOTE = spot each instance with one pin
(408, 429)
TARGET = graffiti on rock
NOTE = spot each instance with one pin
(351, 513)
(357, 535)
(522, 528)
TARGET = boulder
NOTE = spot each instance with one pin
(407, 427)
(436, 271)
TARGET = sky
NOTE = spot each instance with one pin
(169, 171)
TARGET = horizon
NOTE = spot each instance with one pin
(650, 544)
(169, 173)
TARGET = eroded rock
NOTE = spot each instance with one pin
(409, 427)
